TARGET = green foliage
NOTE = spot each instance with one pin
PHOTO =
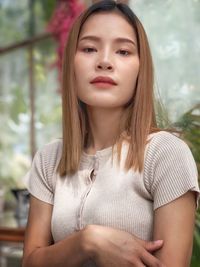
(176, 52)
(48, 7)
(13, 22)
(18, 104)
(16, 23)
(189, 123)
(196, 246)
(162, 118)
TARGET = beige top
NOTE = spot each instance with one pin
(113, 197)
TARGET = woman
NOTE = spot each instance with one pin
(116, 191)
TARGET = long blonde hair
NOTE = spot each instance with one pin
(139, 115)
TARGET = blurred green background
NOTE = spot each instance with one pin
(28, 77)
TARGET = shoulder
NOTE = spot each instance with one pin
(166, 144)
(48, 157)
(54, 146)
(169, 168)
(51, 152)
(41, 179)
(167, 148)
(165, 139)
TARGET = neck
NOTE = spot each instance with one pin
(104, 128)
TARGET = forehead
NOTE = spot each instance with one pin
(108, 23)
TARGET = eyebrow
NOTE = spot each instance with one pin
(117, 40)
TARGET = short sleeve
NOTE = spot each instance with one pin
(170, 170)
(41, 178)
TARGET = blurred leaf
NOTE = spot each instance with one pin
(48, 7)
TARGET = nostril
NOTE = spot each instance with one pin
(105, 66)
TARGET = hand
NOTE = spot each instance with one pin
(113, 248)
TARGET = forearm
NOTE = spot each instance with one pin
(174, 257)
(70, 252)
(177, 236)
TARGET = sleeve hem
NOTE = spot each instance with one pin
(43, 198)
(163, 202)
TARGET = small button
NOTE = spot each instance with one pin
(94, 172)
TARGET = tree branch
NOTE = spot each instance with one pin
(25, 43)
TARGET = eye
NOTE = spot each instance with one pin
(89, 49)
(123, 52)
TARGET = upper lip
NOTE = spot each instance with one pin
(103, 79)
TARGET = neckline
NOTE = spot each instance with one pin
(99, 153)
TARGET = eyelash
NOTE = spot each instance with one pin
(126, 51)
(90, 50)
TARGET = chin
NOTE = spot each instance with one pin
(103, 102)
(103, 105)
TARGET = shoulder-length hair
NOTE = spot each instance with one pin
(139, 115)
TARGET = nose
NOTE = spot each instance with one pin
(104, 61)
(104, 65)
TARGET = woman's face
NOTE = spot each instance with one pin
(106, 61)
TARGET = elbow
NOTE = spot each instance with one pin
(30, 260)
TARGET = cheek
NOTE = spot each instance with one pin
(132, 72)
(81, 69)
(130, 79)
(77, 65)
(80, 76)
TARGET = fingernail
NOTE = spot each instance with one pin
(158, 242)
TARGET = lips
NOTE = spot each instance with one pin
(103, 79)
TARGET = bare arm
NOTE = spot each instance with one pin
(113, 247)
(106, 246)
(39, 250)
(174, 223)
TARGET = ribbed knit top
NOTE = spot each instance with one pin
(103, 193)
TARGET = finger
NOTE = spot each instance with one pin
(152, 246)
(139, 264)
(150, 260)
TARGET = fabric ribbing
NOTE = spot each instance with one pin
(170, 161)
(41, 179)
(114, 197)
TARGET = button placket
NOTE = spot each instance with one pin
(89, 182)
(80, 213)
(92, 163)
(96, 165)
